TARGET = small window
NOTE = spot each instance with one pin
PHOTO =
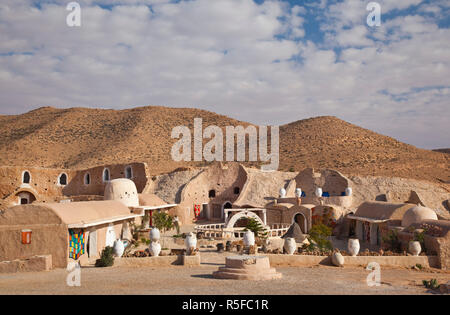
(87, 179)
(106, 176)
(237, 190)
(26, 177)
(128, 172)
(212, 193)
(62, 179)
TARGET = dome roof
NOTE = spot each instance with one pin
(123, 190)
(418, 214)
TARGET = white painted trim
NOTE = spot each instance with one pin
(94, 223)
(59, 178)
(367, 219)
(155, 207)
(23, 173)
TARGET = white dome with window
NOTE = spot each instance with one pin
(123, 190)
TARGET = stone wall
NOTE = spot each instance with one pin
(223, 179)
(44, 185)
(32, 264)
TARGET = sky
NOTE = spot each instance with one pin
(266, 62)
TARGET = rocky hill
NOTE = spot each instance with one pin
(81, 138)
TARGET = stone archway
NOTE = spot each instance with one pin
(25, 197)
(305, 225)
(243, 214)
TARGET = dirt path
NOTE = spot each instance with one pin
(198, 280)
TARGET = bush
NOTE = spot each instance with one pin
(393, 242)
(432, 284)
(106, 258)
(318, 237)
(256, 227)
(420, 237)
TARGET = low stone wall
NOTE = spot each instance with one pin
(32, 264)
(160, 261)
(392, 261)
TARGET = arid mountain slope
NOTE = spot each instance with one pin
(81, 137)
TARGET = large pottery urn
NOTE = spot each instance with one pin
(415, 248)
(249, 239)
(290, 245)
(190, 242)
(118, 248)
(353, 246)
(154, 235)
(337, 259)
(155, 248)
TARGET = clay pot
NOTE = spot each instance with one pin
(190, 241)
(348, 191)
(290, 245)
(319, 192)
(353, 246)
(155, 235)
(415, 248)
(249, 238)
(337, 259)
(155, 248)
(118, 248)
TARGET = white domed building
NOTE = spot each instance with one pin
(418, 214)
(123, 190)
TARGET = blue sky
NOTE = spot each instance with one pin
(266, 62)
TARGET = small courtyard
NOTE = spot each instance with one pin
(198, 280)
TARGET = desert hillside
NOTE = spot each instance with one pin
(81, 138)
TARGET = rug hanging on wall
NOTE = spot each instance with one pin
(76, 244)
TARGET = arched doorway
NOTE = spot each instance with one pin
(226, 205)
(25, 197)
(244, 214)
(301, 221)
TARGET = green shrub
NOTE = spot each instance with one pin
(106, 258)
(256, 227)
(393, 242)
(420, 237)
(318, 237)
(432, 284)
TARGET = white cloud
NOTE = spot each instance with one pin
(225, 56)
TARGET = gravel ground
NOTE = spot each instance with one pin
(198, 280)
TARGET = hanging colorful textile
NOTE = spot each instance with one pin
(197, 209)
(76, 244)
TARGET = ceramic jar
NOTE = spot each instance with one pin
(353, 246)
(190, 242)
(118, 248)
(415, 248)
(249, 238)
(337, 259)
(319, 192)
(155, 248)
(155, 235)
(290, 245)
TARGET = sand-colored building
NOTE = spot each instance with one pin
(78, 230)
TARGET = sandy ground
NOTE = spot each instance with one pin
(197, 280)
